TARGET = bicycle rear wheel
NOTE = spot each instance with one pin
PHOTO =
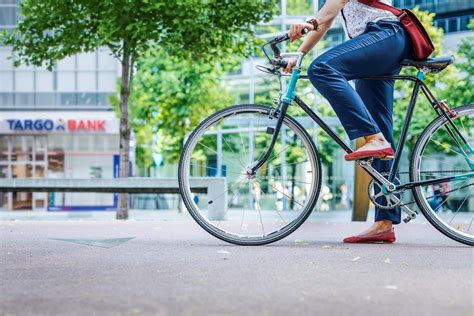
(243, 209)
(449, 205)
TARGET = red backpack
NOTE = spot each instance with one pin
(422, 45)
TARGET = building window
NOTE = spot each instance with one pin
(45, 99)
(441, 24)
(6, 99)
(7, 16)
(456, 24)
(464, 22)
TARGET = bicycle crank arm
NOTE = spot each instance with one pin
(366, 165)
(410, 213)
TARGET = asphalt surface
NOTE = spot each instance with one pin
(175, 268)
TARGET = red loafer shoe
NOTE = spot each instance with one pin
(387, 237)
(384, 153)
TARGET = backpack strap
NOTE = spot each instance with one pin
(380, 5)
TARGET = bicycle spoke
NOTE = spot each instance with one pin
(291, 163)
(243, 146)
(442, 162)
(458, 209)
(228, 146)
(222, 194)
(257, 206)
(448, 148)
(252, 213)
(276, 209)
(280, 178)
(212, 150)
(228, 206)
(287, 195)
(463, 128)
(255, 138)
(212, 168)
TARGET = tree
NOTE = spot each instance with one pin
(171, 96)
(51, 30)
(463, 91)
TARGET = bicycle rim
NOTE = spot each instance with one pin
(241, 209)
(449, 205)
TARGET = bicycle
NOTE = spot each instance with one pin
(273, 172)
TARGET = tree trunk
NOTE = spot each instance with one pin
(122, 210)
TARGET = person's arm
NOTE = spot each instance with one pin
(324, 16)
(314, 37)
(308, 44)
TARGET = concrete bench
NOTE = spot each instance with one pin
(212, 186)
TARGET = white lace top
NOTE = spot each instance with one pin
(355, 16)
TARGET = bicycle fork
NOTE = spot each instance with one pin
(280, 115)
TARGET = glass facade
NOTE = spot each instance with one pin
(40, 134)
(455, 24)
(81, 81)
(57, 156)
(84, 81)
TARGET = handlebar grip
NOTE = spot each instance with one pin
(286, 36)
(283, 63)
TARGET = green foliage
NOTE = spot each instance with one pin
(299, 7)
(181, 34)
(53, 29)
(171, 96)
(445, 85)
(460, 91)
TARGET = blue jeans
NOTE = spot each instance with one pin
(368, 109)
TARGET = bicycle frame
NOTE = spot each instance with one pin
(387, 183)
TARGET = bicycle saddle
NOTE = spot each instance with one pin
(434, 65)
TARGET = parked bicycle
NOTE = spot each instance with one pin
(273, 170)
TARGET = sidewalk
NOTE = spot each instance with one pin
(175, 268)
(146, 215)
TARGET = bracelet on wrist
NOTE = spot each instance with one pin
(314, 23)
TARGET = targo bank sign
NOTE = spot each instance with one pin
(59, 125)
(19, 125)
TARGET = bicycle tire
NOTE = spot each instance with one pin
(417, 191)
(187, 198)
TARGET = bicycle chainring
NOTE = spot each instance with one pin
(387, 198)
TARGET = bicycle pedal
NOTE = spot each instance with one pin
(270, 130)
(410, 217)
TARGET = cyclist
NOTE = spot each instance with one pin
(377, 44)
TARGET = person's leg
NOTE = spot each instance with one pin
(376, 52)
(378, 98)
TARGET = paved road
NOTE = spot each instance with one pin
(175, 268)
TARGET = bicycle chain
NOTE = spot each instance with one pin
(430, 197)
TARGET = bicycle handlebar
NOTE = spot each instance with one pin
(276, 51)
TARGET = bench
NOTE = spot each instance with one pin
(211, 186)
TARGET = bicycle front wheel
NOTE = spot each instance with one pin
(243, 209)
(440, 154)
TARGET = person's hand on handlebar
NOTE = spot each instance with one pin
(296, 30)
(290, 63)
